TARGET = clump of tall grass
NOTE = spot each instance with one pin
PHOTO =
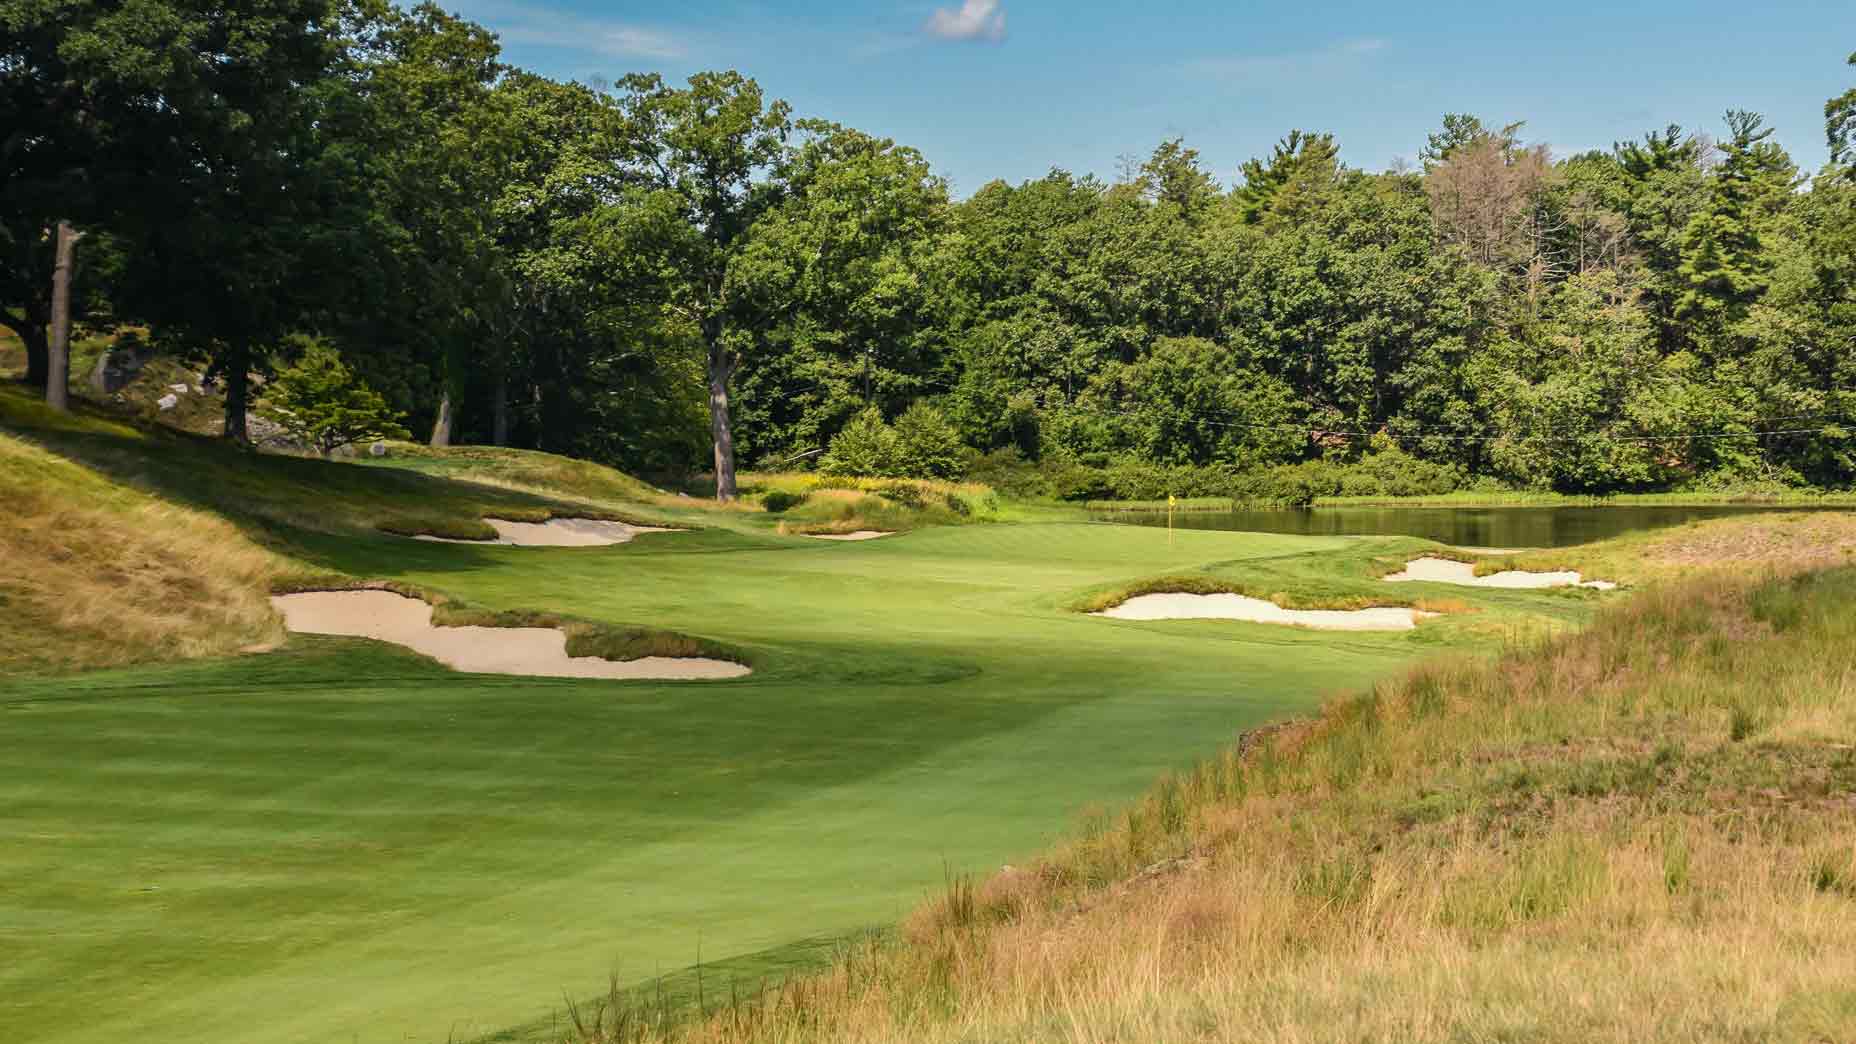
(894, 508)
(93, 574)
(939, 502)
(1640, 831)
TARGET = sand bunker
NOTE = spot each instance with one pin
(1256, 610)
(557, 532)
(862, 534)
(388, 617)
(1445, 571)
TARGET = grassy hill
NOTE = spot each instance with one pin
(127, 541)
(1642, 831)
(100, 574)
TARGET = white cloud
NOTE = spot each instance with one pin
(522, 23)
(602, 38)
(974, 20)
(631, 41)
(1323, 59)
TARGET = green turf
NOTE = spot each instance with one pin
(344, 843)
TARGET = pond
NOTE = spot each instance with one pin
(1458, 526)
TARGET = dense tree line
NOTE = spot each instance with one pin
(670, 277)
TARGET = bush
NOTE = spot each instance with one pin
(1390, 472)
(321, 404)
(905, 493)
(866, 446)
(922, 444)
(779, 500)
(1007, 471)
(925, 445)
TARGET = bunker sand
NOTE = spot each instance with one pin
(538, 651)
(557, 532)
(1257, 610)
(1445, 571)
(861, 534)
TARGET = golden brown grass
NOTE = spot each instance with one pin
(1792, 541)
(1644, 831)
(94, 574)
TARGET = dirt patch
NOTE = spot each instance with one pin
(1257, 610)
(538, 651)
(861, 534)
(557, 532)
(1445, 571)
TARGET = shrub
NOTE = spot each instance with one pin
(905, 493)
(1007, 471)
(866, 446)
(1391, 472)
(320, 403)
(925, 445)
(779, 500)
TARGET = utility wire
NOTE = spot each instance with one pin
(1315, 431)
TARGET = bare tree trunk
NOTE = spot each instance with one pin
(238, 391)
(718, 424)
(38, 351)
(58, 351)
(499, 410)
(441, 428)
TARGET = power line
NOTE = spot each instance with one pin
(1315, 431)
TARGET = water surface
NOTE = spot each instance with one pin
(1460, 526)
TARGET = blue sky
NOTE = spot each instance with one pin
(1010, 88)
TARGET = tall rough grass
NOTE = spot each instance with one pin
(817, 504)
(93, 574)
(1643, 831)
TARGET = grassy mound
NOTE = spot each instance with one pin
(530, 471)
(263, 492)
(1792, 542)
(98, 574)
(1641, 831)
(127, 541)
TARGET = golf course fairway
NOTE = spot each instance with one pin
(343, 842)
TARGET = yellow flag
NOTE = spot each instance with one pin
(1171, 500)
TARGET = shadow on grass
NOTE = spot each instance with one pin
(276, 498)
(733, 984)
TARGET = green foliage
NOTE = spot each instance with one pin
(1387, 472)
(592, 271)
(1724, 261)
(921, 444)
(864, 447)
(1302, 169)
(780, 500)
(925, 445)
(1840, 129)
(320, 403)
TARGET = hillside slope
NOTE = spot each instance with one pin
(1643, 831)
(127, 542)
(99, 574)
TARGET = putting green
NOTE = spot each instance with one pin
(341, 842)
